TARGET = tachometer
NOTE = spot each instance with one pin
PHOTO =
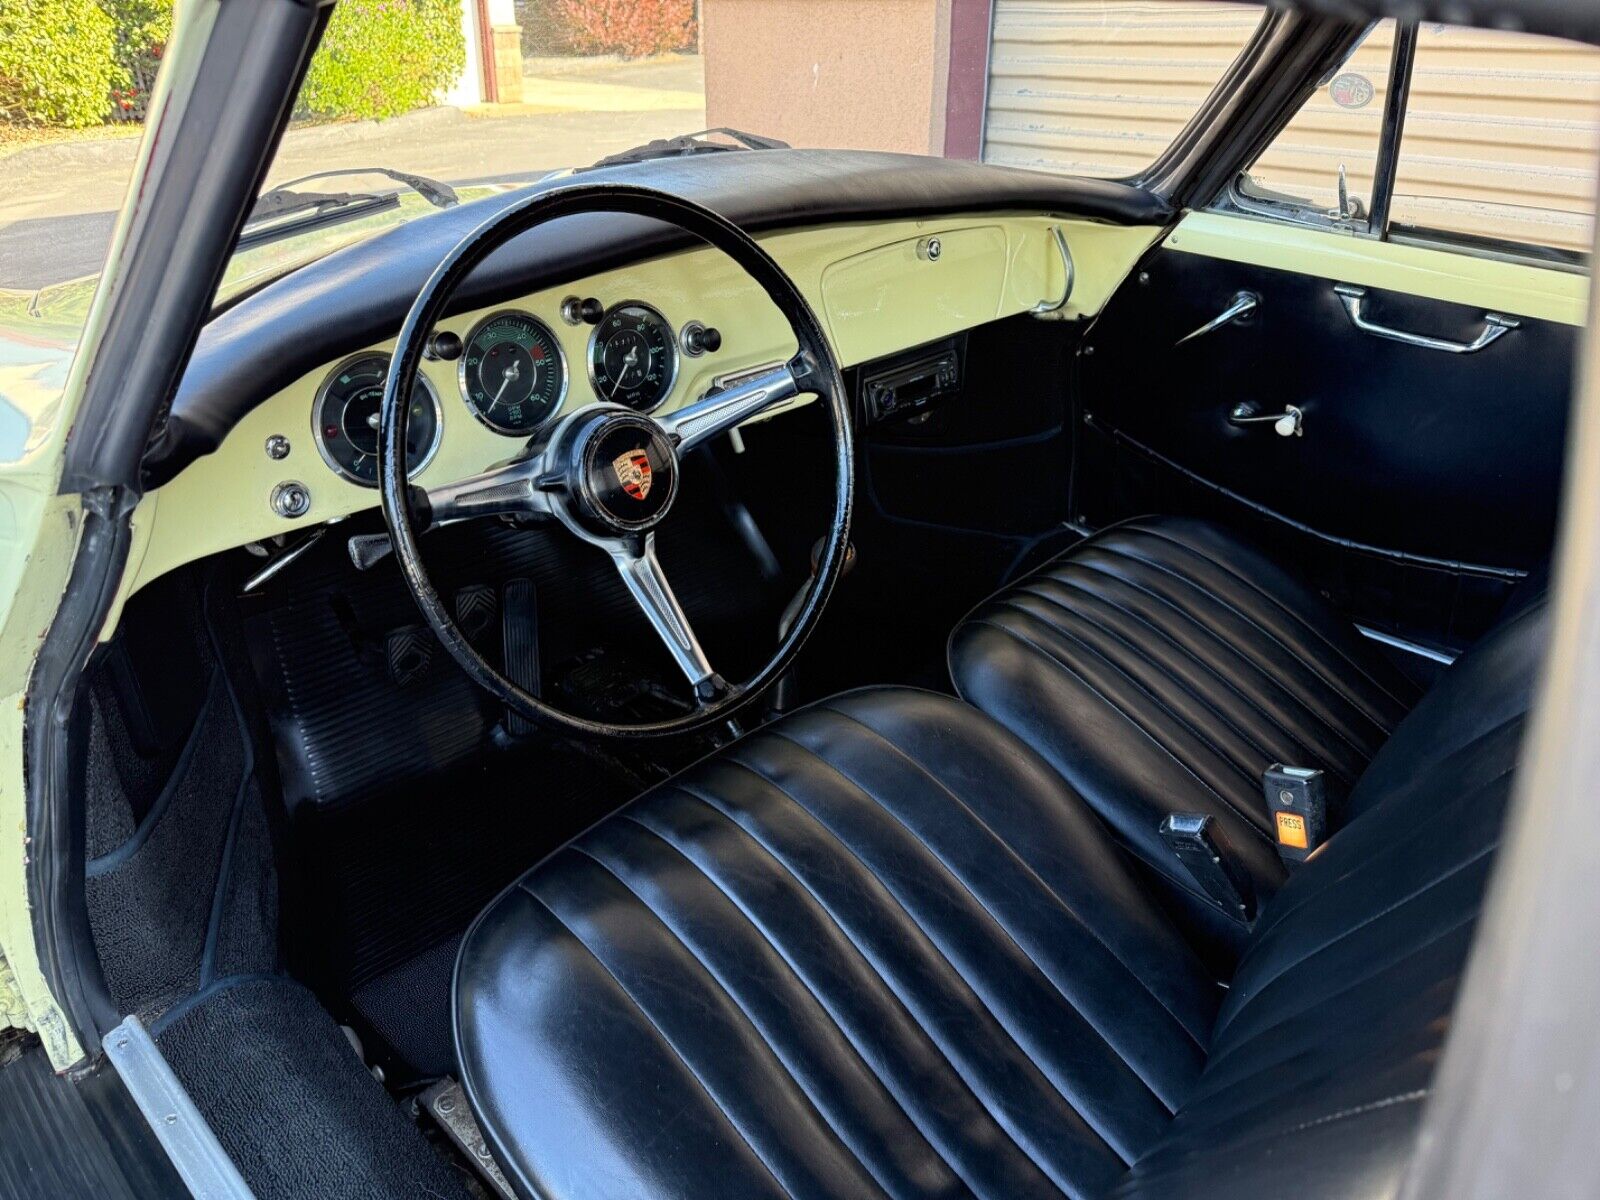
(512, 372)
(632, 356)
(345, 419)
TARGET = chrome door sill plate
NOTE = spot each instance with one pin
(190, 1143)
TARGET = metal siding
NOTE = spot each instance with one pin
(1100, 87)
(1501, 137)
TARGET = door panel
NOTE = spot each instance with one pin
(1410, 458)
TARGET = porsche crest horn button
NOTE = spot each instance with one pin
(625, 472)
(633, 472)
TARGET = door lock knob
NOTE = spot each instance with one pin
(1289, 423)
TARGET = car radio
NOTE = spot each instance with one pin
(907, 384)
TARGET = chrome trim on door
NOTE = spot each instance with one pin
(1495, 326)
(1242, 305)
(1407, 647)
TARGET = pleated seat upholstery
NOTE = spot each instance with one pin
(883, 948)
(878, 950)
(1161, 666)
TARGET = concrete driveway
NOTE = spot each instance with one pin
(59, 202)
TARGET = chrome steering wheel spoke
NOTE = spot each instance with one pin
(511, 489)
(641, 571)
(721, 411)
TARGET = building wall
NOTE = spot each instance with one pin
(842, 74)
(1501, 137)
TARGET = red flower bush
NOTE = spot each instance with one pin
(631, 28)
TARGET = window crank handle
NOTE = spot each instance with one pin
(1289, 423)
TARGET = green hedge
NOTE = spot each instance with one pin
(140, 29)
(380, 58)
(56, 65)
(73, 62)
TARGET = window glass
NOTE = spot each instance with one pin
(1339, 127)
(1500, 138)
(1101, 87)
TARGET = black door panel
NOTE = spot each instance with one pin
(1410, 451)
(951, 499)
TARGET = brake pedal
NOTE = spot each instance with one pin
(446, 1102)
(475, 610)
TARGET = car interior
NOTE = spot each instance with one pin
(788, 685)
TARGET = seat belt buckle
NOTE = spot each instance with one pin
(1203, 849)
(1297, 798)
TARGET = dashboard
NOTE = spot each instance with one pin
(654, 335)
(512, 373)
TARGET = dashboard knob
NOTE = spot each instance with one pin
(443, 345)
(701, 339)
(582, 311)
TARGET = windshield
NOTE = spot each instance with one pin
(483, 95)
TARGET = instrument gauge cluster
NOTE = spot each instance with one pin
(512, 372)
(345, 419)
(633, 356)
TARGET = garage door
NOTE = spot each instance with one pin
(1501, 130)
(1097, 87)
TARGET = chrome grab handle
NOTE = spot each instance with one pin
(1290, 422)
(1067, 265)
(1495, 326)
(1243, 304)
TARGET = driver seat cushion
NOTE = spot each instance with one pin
(877, 949)
(1161, 666)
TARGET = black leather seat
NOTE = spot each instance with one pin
(880, 947)
(883, 949)
(1161, 666)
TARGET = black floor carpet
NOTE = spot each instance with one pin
(409, 1009)
(292, 1104)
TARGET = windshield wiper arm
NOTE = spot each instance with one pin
(440, 195)
(690, 143)
(276, 204)
(279, 214)
(281, 211)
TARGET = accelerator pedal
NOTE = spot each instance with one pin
(519, 629)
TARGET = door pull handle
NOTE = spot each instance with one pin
(1240, 307)
(1495, 326)
(1290, 422)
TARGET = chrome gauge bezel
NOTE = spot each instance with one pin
(561, 357)
(316, 424)
(672, 348)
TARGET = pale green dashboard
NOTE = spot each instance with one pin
(875, 285)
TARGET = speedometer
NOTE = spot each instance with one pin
(345, 419)
(632, 357)
(512, 372)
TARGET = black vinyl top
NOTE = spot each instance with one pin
(360, 294)
(1577, 19)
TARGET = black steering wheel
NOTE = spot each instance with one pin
(609, 474)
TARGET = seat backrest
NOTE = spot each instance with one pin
(1324, 1050)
